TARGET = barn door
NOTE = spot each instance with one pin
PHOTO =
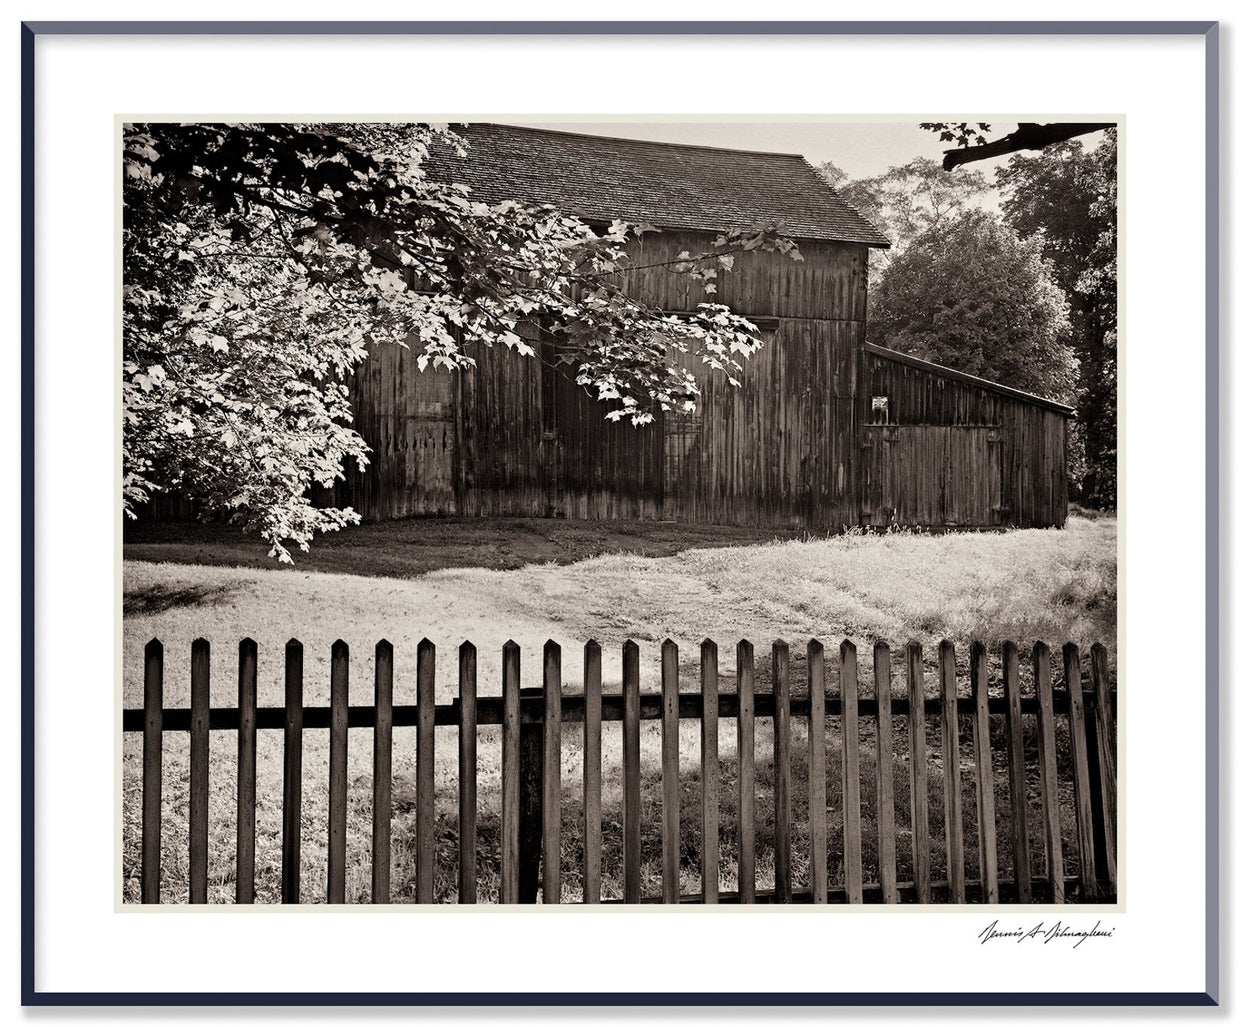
(933, 476)
(407, 416)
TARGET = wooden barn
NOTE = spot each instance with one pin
(826, 432)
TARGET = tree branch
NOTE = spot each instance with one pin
(1028, 136)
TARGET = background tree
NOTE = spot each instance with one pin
(969, 293)
(907, 200)
(262, 261)
(1066, 197)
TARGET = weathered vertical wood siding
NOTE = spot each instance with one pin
(526, 440)
(828, 283)
(408, 418)
(502, 462)
(956, 451)
(779, 450)
(797, 445)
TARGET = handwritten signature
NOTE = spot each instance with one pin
(1058, 931)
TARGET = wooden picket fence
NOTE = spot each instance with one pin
(531, 779)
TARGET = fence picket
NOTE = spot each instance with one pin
(1016, 773)
(592, 773)
(631, 745)
(783, 771)
(467, 760)
(381, 802)
(530, 796)
(247, 745)
(1080, 772)
(1105, 740)
(988, 860)
(886, 799)
(816, 671)
(338, 773)
(918, 768)
(152, 767)
(953, 813)
(510, 776)
(424, 815)
(745, 880)
(527, 834)
(1048, 771)
(290, 834)
(551, 774)
(199, 764)
(670, 727)
(852, 772)
(710, 772)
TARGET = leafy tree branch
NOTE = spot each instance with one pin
(263, 262)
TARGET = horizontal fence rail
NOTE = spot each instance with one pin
(531, 721)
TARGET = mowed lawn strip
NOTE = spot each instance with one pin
(1024, 585)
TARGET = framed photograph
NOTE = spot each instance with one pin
(527, 513)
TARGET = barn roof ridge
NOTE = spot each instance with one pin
(687, 186)
(644, 142)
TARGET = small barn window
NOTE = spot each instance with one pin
(878, 410)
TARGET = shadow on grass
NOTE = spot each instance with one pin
(156, 599)
(409, 548)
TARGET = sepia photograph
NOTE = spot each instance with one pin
(677, 511)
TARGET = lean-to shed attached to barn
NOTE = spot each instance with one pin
(805, 442)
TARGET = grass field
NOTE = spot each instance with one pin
(529, 580)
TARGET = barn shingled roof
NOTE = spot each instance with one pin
(670, 185)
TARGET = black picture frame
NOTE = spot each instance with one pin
(32, 996)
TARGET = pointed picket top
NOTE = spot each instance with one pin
(881, 646)
(669, 646)
(813, 647)
(293, 643)
(551, 646)
(708, 641)
(745, 644)
(629, 646)
(779, 642)
(247, 643)
(467, 647)
(847, 646)
(154, 647)
(201, 643)
(593, 642)
(426, 643)
(1039, 647)
(512, 665)
(340, 643)
(913, 650)
(383, 646)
